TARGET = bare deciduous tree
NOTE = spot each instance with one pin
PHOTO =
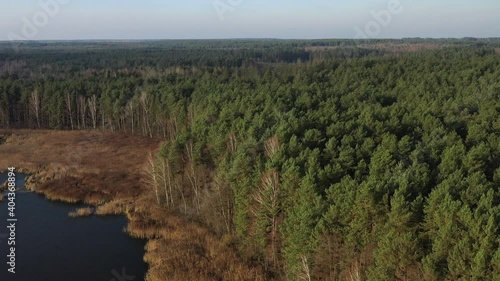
(354, 273)
(305, 274)
(269, 203)
(231, 142)
(34, 106)
(272, 145)
(82, 111)
(223, 202)
(130, 112)
(166, 177)
(146, 108)
(172, 129)
(69, 108)
(93, 110)
(191, 174)
(151, 176)
(161, 120)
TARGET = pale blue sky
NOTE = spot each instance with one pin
(164, 19)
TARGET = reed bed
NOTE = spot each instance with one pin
(81, 212)
(181, 249)
(115, 207)
(107, 174)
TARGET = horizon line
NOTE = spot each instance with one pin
(243, 38)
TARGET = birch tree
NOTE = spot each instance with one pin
(166, 177)
(69, 109)
(82, 108)
(152, 178)
(268, 207)
(130, 113)
(145, 101)
(191, 173)
(34, 106)
(92, 102)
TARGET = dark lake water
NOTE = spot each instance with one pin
(50, 246)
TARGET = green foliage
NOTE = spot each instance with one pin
(302, 210)
(392, 161)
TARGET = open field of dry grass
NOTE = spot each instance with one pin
(105, 169)
(390, 46)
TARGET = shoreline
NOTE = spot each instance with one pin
(108, 176)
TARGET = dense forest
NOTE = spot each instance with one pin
(321, 160)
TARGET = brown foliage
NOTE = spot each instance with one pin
(218, 206)
(231, 142)
(272, 145)
(81, 212)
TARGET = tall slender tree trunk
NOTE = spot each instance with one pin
(35, 107)
(151, 172)
(93, 110)
(191, 174)
(82, 104)
(69, 108)
(146, 108)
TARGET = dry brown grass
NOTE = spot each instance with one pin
(405, 47)
(394, 47)
(115, 207)
(81, 212)
(105, 169)
(180, 249)
(72, 166)
(59, 153)
(497, 50)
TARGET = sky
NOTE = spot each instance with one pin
(208, 19)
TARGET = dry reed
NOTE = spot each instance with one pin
(106, 171)
(81, 212)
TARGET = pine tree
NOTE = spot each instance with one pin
(302, 214)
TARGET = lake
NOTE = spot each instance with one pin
(50, 246)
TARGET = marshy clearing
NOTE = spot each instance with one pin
(105, 170)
